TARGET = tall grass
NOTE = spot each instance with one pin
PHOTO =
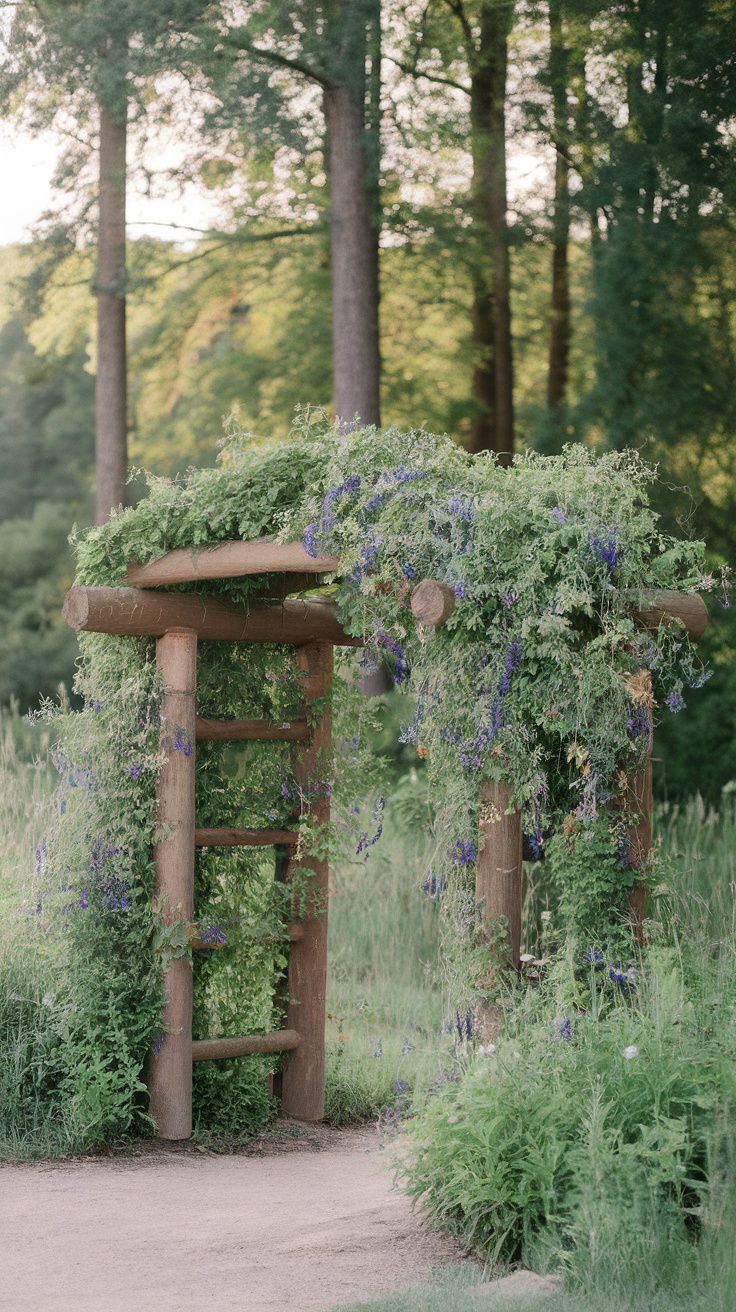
(31, 1125)
(385, 1000)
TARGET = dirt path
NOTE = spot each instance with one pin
(308, 1222)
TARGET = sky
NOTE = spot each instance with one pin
(26, 168)
(27, 165)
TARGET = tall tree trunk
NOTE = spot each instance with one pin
(559, 345)
(354, 250)
(111, 419)
(493, 428)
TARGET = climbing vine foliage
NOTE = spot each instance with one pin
(542, 677)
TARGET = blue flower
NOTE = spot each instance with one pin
(433, 885)
(559, 514)
(459, 591)
(564, 1028)
(401, 668)
(462, 852)
(212, 934)
(407, 570)
(638, 722)
(461, 509)
(285, 793)
(592, 957)
(536, 843)
(675, 702)
(309, 540)
(401, 1087)
(606, 548)
(378, 1050)
(402, 475)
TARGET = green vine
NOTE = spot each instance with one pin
(542, 677)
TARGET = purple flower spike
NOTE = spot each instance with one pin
(606, 548)
(212, 934)
(559, 514)
(309, 540)
(461, 509)
(463, 852)
(675, 702)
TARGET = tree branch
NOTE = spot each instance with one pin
(274, 57)
(413, 71)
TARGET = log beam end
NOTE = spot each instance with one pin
(432, 602)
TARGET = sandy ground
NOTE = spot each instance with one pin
(304, 1221)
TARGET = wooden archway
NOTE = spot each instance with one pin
(178, 621)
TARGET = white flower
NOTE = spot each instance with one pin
(526, 956)
(631, 1052)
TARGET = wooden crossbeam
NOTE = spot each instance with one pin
(228, 560)
(244, 837)
(262, 731)
(214, 1049)
(685, 606)
(132, 612)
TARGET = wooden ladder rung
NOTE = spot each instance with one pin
(293, 932)
(213, 1049)
(244, 837)
(262, 731)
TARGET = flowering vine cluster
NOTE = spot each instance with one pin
(543, 677)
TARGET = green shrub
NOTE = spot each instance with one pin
(591, 1128)
(231, 1098)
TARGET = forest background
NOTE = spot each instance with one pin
(370, 140)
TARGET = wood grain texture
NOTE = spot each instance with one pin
(229, 837)
(228, 560)
(215, 1049)
(432, 602)
(498, 870)
(685, 606)
(303, 1076)
(261, 731)
(132, 612)
(170, 1063)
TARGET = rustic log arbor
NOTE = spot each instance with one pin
(178, 621)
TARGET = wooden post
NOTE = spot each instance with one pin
(303, 1078)
(170, 1067)
(498, 870)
